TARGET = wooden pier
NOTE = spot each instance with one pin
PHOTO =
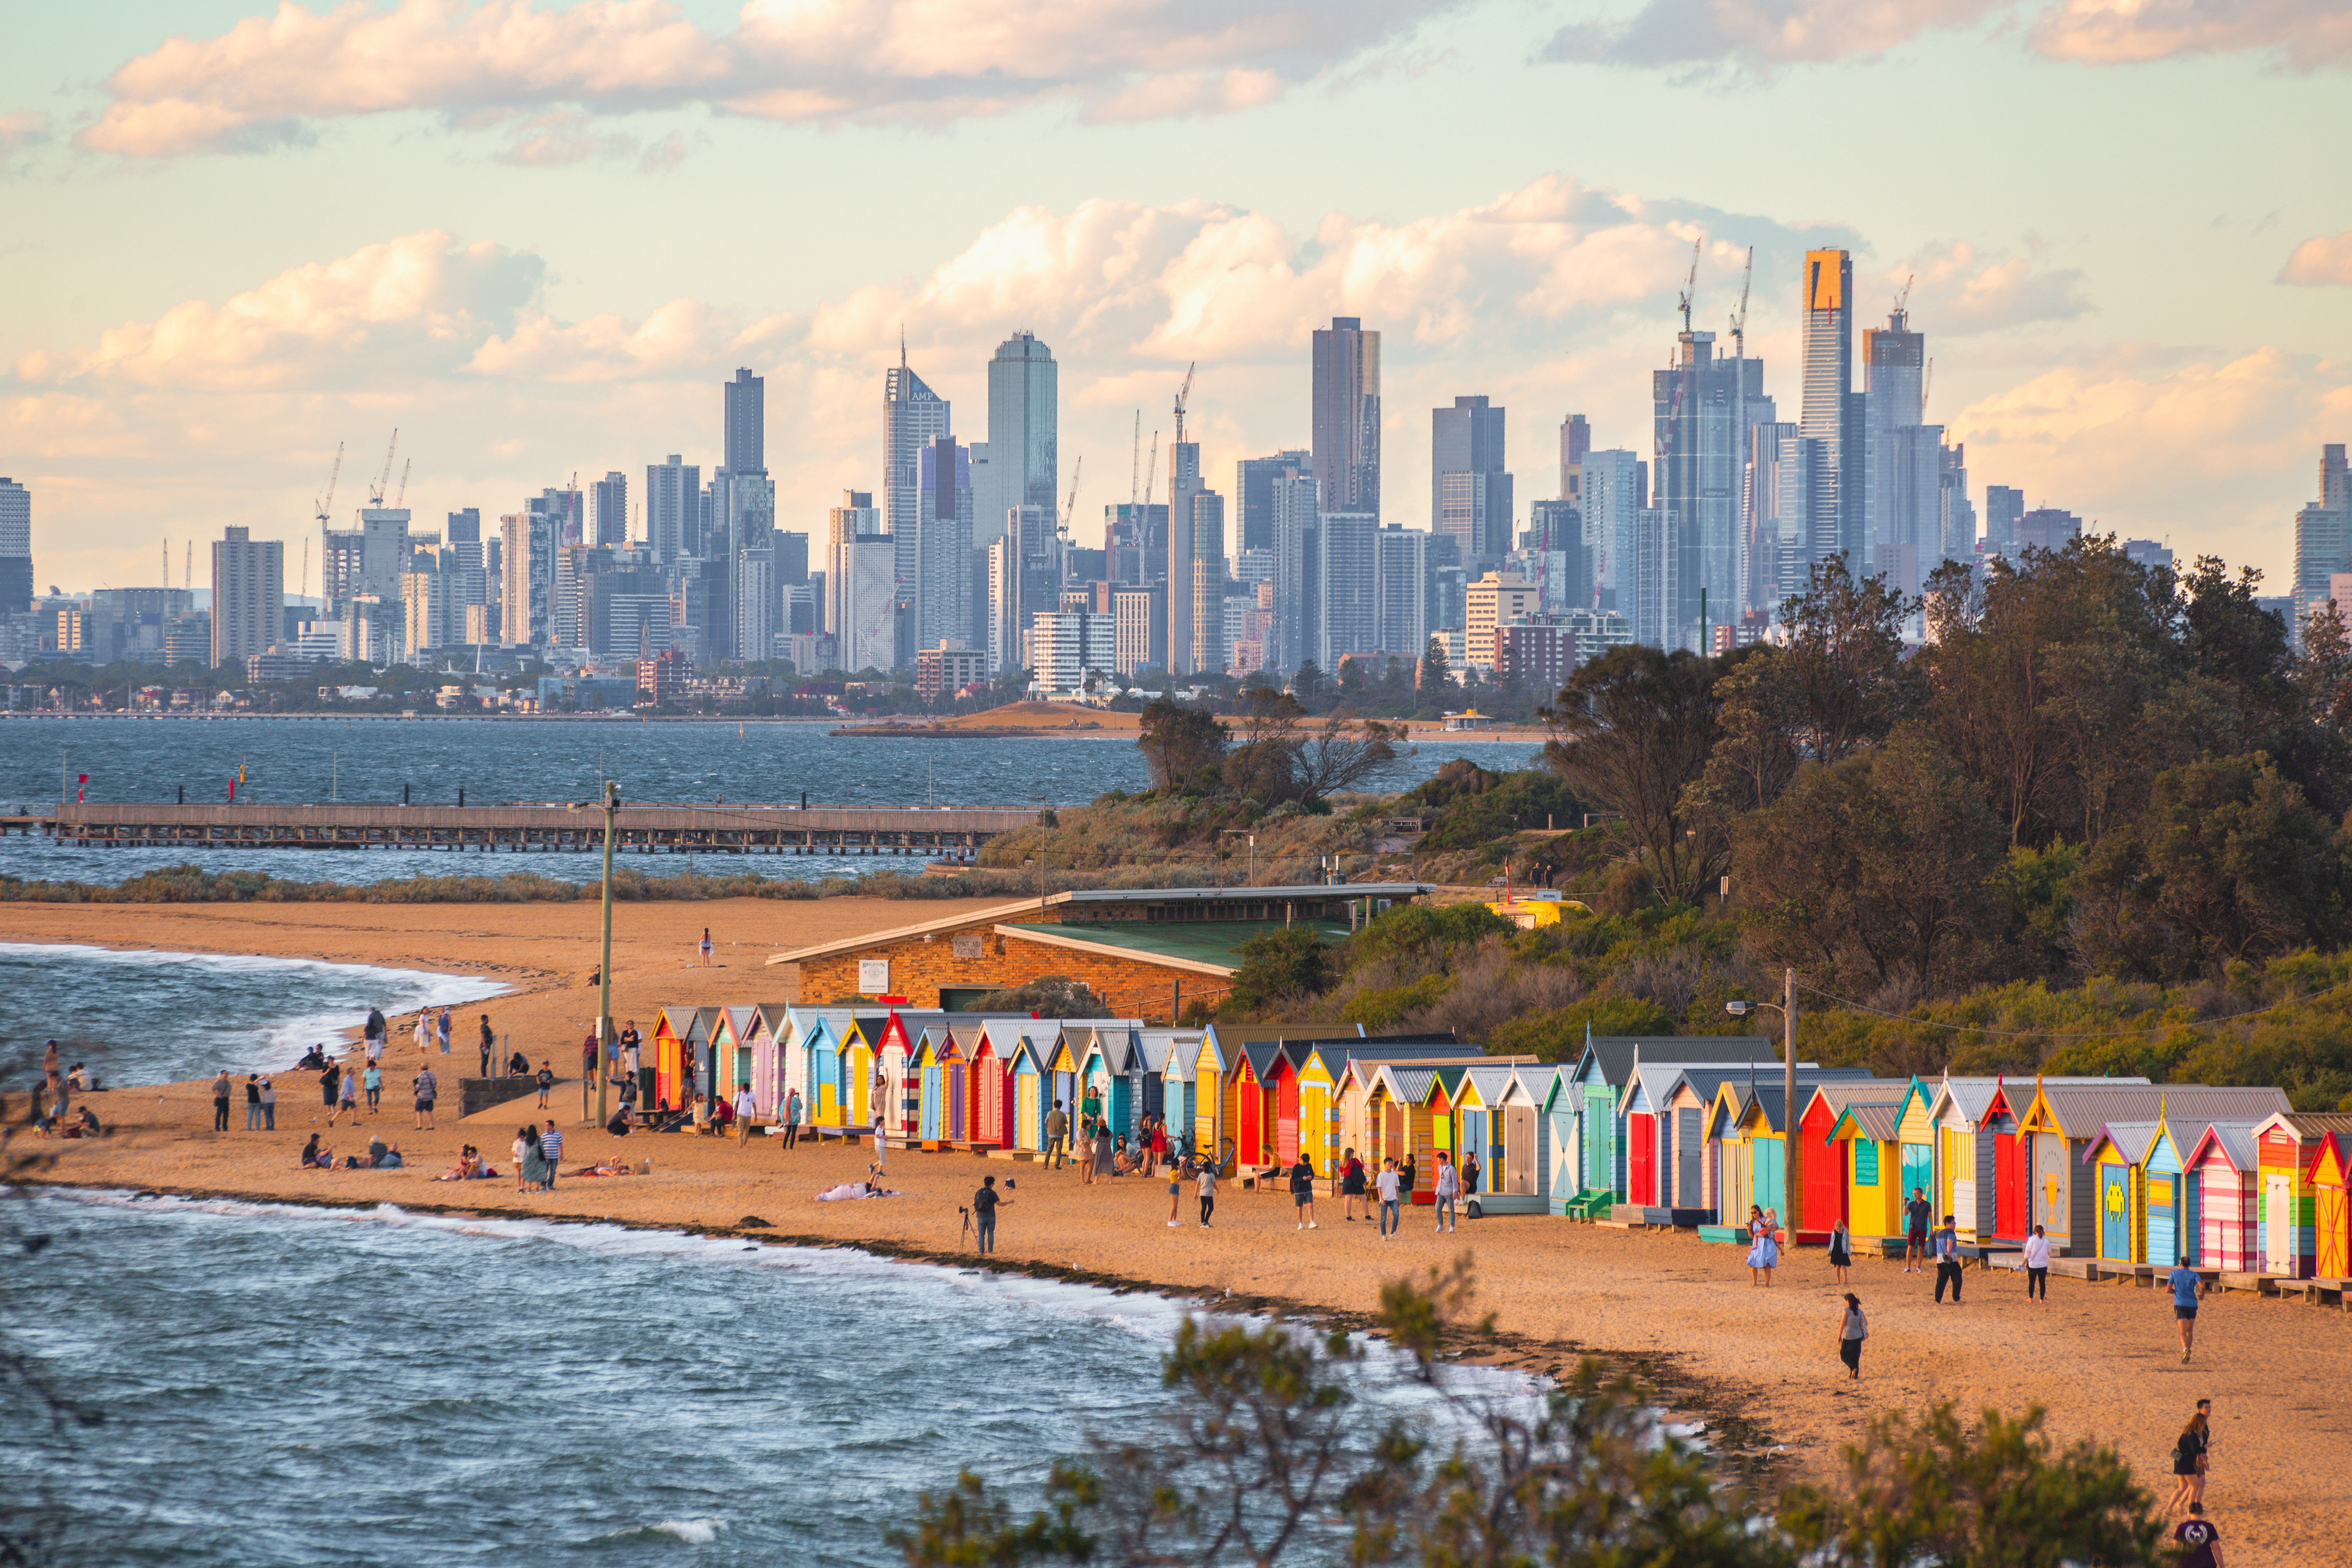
(543, 828)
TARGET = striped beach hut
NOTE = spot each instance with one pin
(1177, 1051)
(2224, 1164)
(730, 1050)
(2288, 1144)
(990, 1076)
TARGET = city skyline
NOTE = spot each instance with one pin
(2081, 343)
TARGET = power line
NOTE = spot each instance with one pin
(2071, 1034)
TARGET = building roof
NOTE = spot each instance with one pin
(1210, 947)
(2236, 1141)
(1412, 1084)
(1973, 1095)
(1879, 1122)
(1613, 1056)
(2318, 1123)
(2082, 1110)
(2132, 1139)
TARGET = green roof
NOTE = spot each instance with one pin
(1197, 942)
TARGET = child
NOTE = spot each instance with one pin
(1841, 1250)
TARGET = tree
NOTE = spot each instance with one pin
(1436, 677)
(1179, 743)
(1845, 660)
(1309, 685)
(1762, 717)
(2324, 672)
(1343, 753)
(1293, 961)
(1630, 734)
(1048, 996)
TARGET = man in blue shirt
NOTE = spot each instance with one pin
(2185, 1286)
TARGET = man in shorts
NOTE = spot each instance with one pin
(1302, 1192)
(428, 1088)
(2200, 1543)
(1917, 1214)
(2185, 1285)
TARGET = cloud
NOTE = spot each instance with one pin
(19, 131)
(2321, 259)
(1958, 291)
(1761, 35)
(2300, 35)
(270, 79)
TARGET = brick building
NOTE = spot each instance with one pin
(1149, 953)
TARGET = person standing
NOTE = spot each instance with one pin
(983, 1212)
(1387, 1187)
(1302, 1191)
(1086, 1148)
(1408, 1180)
(1852, 1329)
(1449, 1188)
(428, 1088)
(1058, 1132)
(706, 947)
(1945, 1245)
(1470, 1173)
(253, 1102)
(441, 1031)
(2186, 1286)
(744, 1107)
(2200, 1543)
(1841, 1250)
(2037, 1266)
(423, 1032)
(1756, 1237)
(1208, 1191)
(546, 1081)
(373, 1081)
(1351, 1184)
(374, 1032)
(2189, 1452)
(1916, 1214)
(1105, 1160)
(522, 1145)
(881, 1141)
(351, 1097)
(791, 1117)
(490, 1043)
(1175, 1194)
(268, 1104)
(550, 1144)
(631, 1043)
(329, 1082)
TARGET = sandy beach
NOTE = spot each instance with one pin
(2102, 1359)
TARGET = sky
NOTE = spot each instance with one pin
(535, 237)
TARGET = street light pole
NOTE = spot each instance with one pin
(604, 970)
(1795, 1144)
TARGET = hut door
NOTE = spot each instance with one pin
(2329, 1215)
(2012, 1182)
(1564, 1152)
(1285, 1118)
(2163, 1220)
(1686, 1152)
(1519, 1148)
(2115, 1213)
(2278, 1224)
(1642, 1160)
(1771, 1177)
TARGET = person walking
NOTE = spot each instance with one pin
(523, 1142)
(550, 1144)
(268, 1104)
(351, 1097)
(1756, 1239)
(1945, 1245)
(2200, 1543)
(1841, 1250)
(1852, 1329)
(791, 1117)
(1105, 1162)
(441, 1031)
(1352, 1185)
(2037, 1266)
(1085, 1150)
(1449, 1188)
(546, 1081)
(329, 1083)
(2189, 1452)
(1058, 1132)
(744, 1107)
(375, 1031)
(423, 1032)
(428, 1088)
(1770, 1240)
(1387, 1186)
(373, 1080)
(534, 1159)
(983, 1212)
(1302, 1192)
(1408, 1180)
(1175, 1194)
(706, 947)
(2187, 1285)
(490, 1043)
(253, 1102)
(1208, 1191)
(1916, 1214)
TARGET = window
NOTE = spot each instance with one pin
(1866, 1162)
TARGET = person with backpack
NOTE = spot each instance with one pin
(983, 1212)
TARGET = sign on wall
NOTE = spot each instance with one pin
(874, 975)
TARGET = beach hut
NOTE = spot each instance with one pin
(2168, 1202)
(1410, 1132)
(1523, 1167)
(730, 1060)
(1483, 1116)
(1177, 1051)
(1976, 1146)
(1869, 1125)
(1311, 1073)
(2331, 1219)
(1753, 1155)
(1602, 1074)
(1829, 1166)
(669, 1058)
(937, 1071)
(2064, 1116)
(821, 1046)
(1030, 1069)
(2118, 1159)
(991, 1073)
(2287, 1144)
(2225, 1166)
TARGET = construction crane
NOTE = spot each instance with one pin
(1690, 284)
(401, 498)
(324, 508)
(383, 483)
(1070, 507)
(188, 572)
(1903, 299)
(1183, 394)
(1152, 472)
(1739, 321)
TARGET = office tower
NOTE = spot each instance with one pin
(2004, 506)
(854, 517)
(1575, 441)
(745, 439)
(424, 606)
(1070, 649)
(673, 498)
(756, 601)
(1400, 591)
(1555, 539)
(1347, 417)
(1469, 487)
(1959, 517)
(2047, 528)
(248, 596)
(1296, 631)
(1345, 571)
(1698, 405)
(608, 509)
(529, 548)
(1183, 484)
(1024, 433)
(2150, 553)
(16, 548)
(2323, 538)
(1654, 590)
(913, 416)
(1775, 507)
(1253, 495)
(1902, 504)
(792, 559)
(1613, 492)
(1136, 615)
(942, 528)
(1832, 412)
(1022, 581)
(1491, 603)
(1207, 599)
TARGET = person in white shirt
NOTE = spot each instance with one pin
(744, 1107)
(1387, 1186)
(2037, 1266)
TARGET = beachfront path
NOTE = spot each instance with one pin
(2102, 1358)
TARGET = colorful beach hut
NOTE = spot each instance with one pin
(2288, 1145)
(731, 1055)
(1602, 1074)
(1979, 1156)
(2119, 1161)
(2064, 1116)
(1869, 1125)
(2331, 1219)
(2225, 1167)
(1522, 1168)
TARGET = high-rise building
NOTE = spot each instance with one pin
(1297, 631)
(1654, 590)
(16, 548)
(943, 528)
(1400, 591)
(673, 498)
(1469, 483)
(1575, 440)
(1495, 601)
(1346, 580)
(1347, 417)
(913, 416)
(1832, 412)
(756, 603)
(248, 596)
(1555, 544)
(1253, 495)
(1615, 487)
(1208, 595)
(1137, 614)
(1959, 514)
(861, 584)
(745, 439)
(1183, 484)
(2004, 505)
(608, 509)
(1023, 433)
(1698, 405)
(530, 547)
(1783, 469)
(2322, 537)
(1022, 581)
(1903, 498)
(2047, 528)
(1070, 649)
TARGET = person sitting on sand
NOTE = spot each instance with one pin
(83, 1125)
(316, 1158)
(75, 1081)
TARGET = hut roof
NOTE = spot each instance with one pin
(2236, 1141)
(1877, 1121)
(2313, 1124)
(1412, 1084)
(2084, 1107)
(2132, 1139)
(1613, 1056)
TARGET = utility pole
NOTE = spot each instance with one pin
(1795, 1143)
(604, 970)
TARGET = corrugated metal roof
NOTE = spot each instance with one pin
(2236, 1138)
(2317, 1123)
(1879, 1122)
(2082, 1111)
(1411, 1083)
(1614, 1055)
(1974, 1095)
(2131, 1140)
(1492, 1082)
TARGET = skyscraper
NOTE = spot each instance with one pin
(1575, 440)
(1022, 582)
(1296, 522)
(1208, 594)
(1400, 591)
(1831, 414)
(1023, 433)
(1347, 417)
(1253, 496)
(913, 416)
(1902, 503)
(1614, 490)
(745, 439)
(1347, 580)
(1469, 487)
(672, 497)
(1957, 518)
(2322, 537)
(2004, 504)
(1183, 484)
(248, 596)
(1698, 406)
(16, 548)
(608, 509)
(942, 531)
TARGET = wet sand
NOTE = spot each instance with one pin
(2103, 1359)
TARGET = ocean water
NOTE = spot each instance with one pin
(161, 1017)
(291, 1385)
(494, 761)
